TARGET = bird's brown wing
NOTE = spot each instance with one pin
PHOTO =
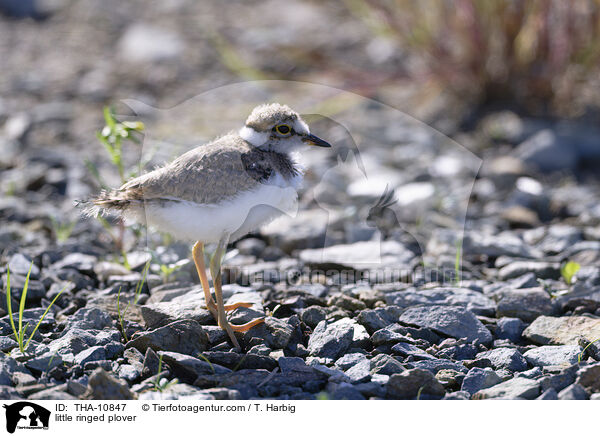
(208, 174)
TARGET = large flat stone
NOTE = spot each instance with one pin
(564, 330)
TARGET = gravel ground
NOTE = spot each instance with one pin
(362, 300)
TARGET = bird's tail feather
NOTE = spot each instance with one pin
(107, 202)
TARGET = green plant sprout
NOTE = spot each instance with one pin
(159, 385)
(167, 270)
(112, 136)
(20, 332)
(457, 262)
(62, 230)
(568, 271)
(136, 297)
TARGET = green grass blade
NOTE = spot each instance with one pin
(23, 297)
(140, 284)
(580, 355)
(120, 314)
(42, 317)
(203, 357)
(109, 117)
(9, 304)
(21, 337)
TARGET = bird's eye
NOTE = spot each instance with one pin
(283, 129)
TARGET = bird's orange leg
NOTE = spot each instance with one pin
(215, 271)
(198, 255)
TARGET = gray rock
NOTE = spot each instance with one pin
(573, 392)
(178, 391)
(23, 379)
(216, 334)
(242, 361)
(589, 378)
(160, 314)
(188, 368)
(7, 344)
(404, 350)
(90, 355)
(332, 374)
(289, 364)
(526, 304)
(8, 366)
(561, 380)
(305, 230)
(386, 365)
(55, 393)
(147, 43)
(346, 302)
(129, 373)
(184, 336)
(44, 362)
(84, 263)
(458, 395)
(344, 391)
(510, 328)
(359, 256)
(19, 264)
(389, 335)
(436, 365)
(76, 340)
(103, 386)
(550, 394)
(542, 270)
(113, 349)
(276, 333)
(501, 244)
(478, 379)
(349, 360)
(565, 330)
(313, 315)
(370, 389)
(505, 358)
(517, 387)
(559, 238)
(408, 384)
(376, 319)
(35, 290)
(360, 373)
(551, 355)
(474, 301)
(534, 373)
(546, 151)
(450, 321)
(88, 319)
(331, 340)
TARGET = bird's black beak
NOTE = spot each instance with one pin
(315, 140)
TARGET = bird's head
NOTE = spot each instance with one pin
(277, 127)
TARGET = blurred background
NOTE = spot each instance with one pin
(514, 82)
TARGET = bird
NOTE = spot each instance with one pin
(219, 192)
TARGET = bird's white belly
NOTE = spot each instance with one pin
(207, 223)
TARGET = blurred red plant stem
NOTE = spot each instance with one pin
(538, 53)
